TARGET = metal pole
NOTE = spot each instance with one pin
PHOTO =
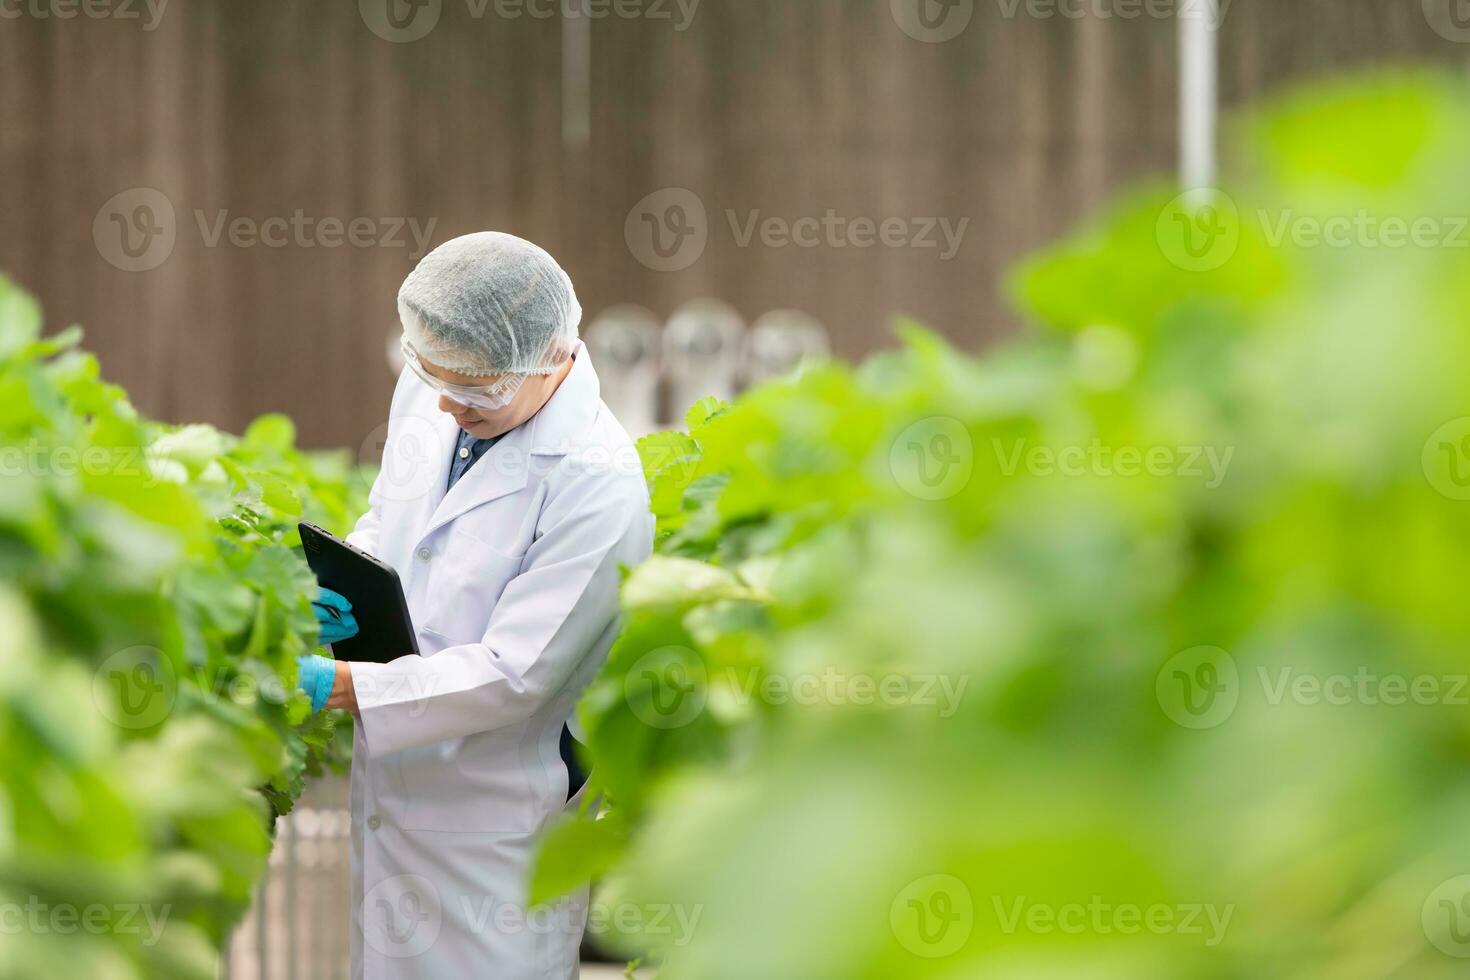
(1199, 74)
(576, 78)
(288, 833)
(262, 925)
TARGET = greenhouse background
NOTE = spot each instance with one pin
(556, 128)
(978, 205)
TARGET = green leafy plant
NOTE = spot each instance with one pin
(153, 601)
(1133, 648)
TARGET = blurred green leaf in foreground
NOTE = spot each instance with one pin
(152, 604)
(1135, 648)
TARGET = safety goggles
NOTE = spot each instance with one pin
(498, 394)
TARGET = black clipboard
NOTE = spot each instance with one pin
(384, 629)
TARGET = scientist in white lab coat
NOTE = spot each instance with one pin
(508, 500)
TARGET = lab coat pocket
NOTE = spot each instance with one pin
(474, 784)
(470, 578)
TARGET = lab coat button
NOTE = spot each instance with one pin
(423, 554)
(374, 823)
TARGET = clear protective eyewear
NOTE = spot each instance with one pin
(497, 394)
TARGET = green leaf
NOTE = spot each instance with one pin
(269, 434)
(666, 582)
(20, 318)
(702, 411)
(277, 493)
(574, 851)
(195, 446)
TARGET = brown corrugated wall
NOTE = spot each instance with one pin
(788, 108)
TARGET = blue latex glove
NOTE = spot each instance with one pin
(317, 674)
(334, 615)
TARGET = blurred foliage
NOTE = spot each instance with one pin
(153, 600)
(1223, 458)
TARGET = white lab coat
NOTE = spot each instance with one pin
(512, 581)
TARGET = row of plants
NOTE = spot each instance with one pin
(153, 601)
(1133, 648)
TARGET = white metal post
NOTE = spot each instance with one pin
(576, 78)
(1199, 37)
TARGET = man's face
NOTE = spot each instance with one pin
(485, 423)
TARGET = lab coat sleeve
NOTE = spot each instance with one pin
(365, 534)
(550, 617)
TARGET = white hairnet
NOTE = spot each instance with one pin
(490, 303)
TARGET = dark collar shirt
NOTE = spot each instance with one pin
(467, 452)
